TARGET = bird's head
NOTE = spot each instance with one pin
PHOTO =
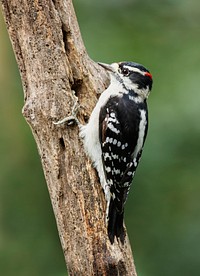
(132, 76)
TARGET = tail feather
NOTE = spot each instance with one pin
(115, 222)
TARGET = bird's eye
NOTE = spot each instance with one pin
(125, 71)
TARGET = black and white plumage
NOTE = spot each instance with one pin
(115, 135)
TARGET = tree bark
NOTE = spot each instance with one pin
(54, 64)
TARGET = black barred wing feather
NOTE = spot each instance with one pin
(123, 127)
(117, 155)
(118, 145)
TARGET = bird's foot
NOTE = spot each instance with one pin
(70, 120)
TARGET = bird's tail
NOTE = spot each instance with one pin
(115, 222)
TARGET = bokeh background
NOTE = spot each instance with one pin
(163, 209)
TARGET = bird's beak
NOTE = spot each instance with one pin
(106, 66)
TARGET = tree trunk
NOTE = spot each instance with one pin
(54, 65)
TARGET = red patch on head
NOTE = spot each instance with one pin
(148, 75)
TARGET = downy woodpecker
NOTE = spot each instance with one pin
(115, 134)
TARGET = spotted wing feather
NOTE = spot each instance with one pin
(118, 136)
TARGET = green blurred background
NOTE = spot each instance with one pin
(163, 209)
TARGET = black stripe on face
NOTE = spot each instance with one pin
(136, 74)
(133, 65)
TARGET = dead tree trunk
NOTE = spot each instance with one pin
(54, 64)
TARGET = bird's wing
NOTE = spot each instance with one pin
(117, 155)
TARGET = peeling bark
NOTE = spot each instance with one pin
(54, 64)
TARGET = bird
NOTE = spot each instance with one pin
(115, 134)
